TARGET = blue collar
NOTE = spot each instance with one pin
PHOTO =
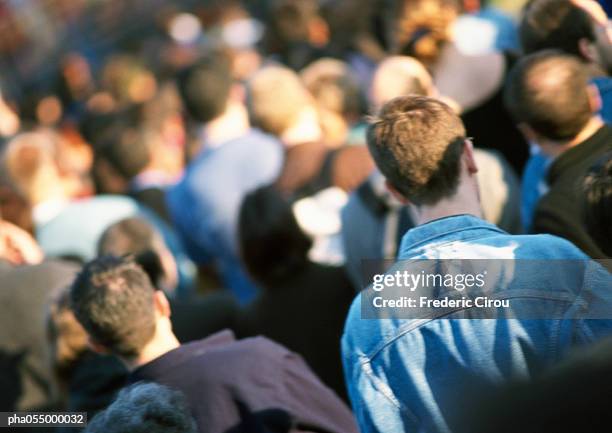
(443, 228)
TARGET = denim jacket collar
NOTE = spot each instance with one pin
(447, 228)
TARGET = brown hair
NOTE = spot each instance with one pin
(548, 91)
(417, 143)
(422, 28)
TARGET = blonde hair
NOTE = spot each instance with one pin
(276, 97)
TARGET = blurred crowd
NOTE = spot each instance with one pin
(188, 190)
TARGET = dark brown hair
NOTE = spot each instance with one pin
(113, 299)
(554, 24)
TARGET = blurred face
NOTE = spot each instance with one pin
(601, 52)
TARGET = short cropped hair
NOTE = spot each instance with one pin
(127, 149)
(205, 87)
(554, 24)
(598, 203)
(145, 408)
(276, 96)
(113, 299)
(417, 143)
(137, 237)
(548, 91)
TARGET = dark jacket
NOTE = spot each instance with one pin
(560, 211)
(307, 316)
(219, 376)
(26, 381)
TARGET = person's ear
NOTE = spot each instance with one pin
(594, 98)
(468, 157)
(162, 306)
(587, 49)
(395, 193)
(97, 347)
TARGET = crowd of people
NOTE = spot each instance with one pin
(189, 190)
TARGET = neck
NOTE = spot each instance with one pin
(305, 129)
(555, 148)
(233, 123)
(465, 201)
(163, 341)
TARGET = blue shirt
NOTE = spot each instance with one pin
(204, 205)
(406, 375)
(76, 230)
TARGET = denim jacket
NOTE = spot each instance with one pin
(408, 375)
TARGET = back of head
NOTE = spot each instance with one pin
(554, 24)
(548, 91)
(137, 237)
(397, 76)
(113, 299)
(423, 27)
(598, 208)
(127, 150)
(334, 87)
(417, 143)
(276, 97)
(29, 159)
(67, 336)
(205, 87)
(273, 246)
(145, 408)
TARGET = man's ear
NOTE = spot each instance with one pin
(468, 155)
(594, 98)
(395, 193)
(97, 347)
(587, 49)
(162, 306)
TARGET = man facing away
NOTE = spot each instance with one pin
(226, 382)
(550, 96)
(407, 374)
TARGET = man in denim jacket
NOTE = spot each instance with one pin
(408, 373)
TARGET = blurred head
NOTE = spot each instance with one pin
(417, 143)
(397, 76)
(597, 187)
(115, 301)
(205, 87)
(137, 237)
(337, 95)
(273, 246)
(423, 28)
(295, 30)
(127, 152)
(145, 408)
(68, 338)
(549, 93)
(277, 100)
(576, 27)
(41, 167)
(128, 81)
